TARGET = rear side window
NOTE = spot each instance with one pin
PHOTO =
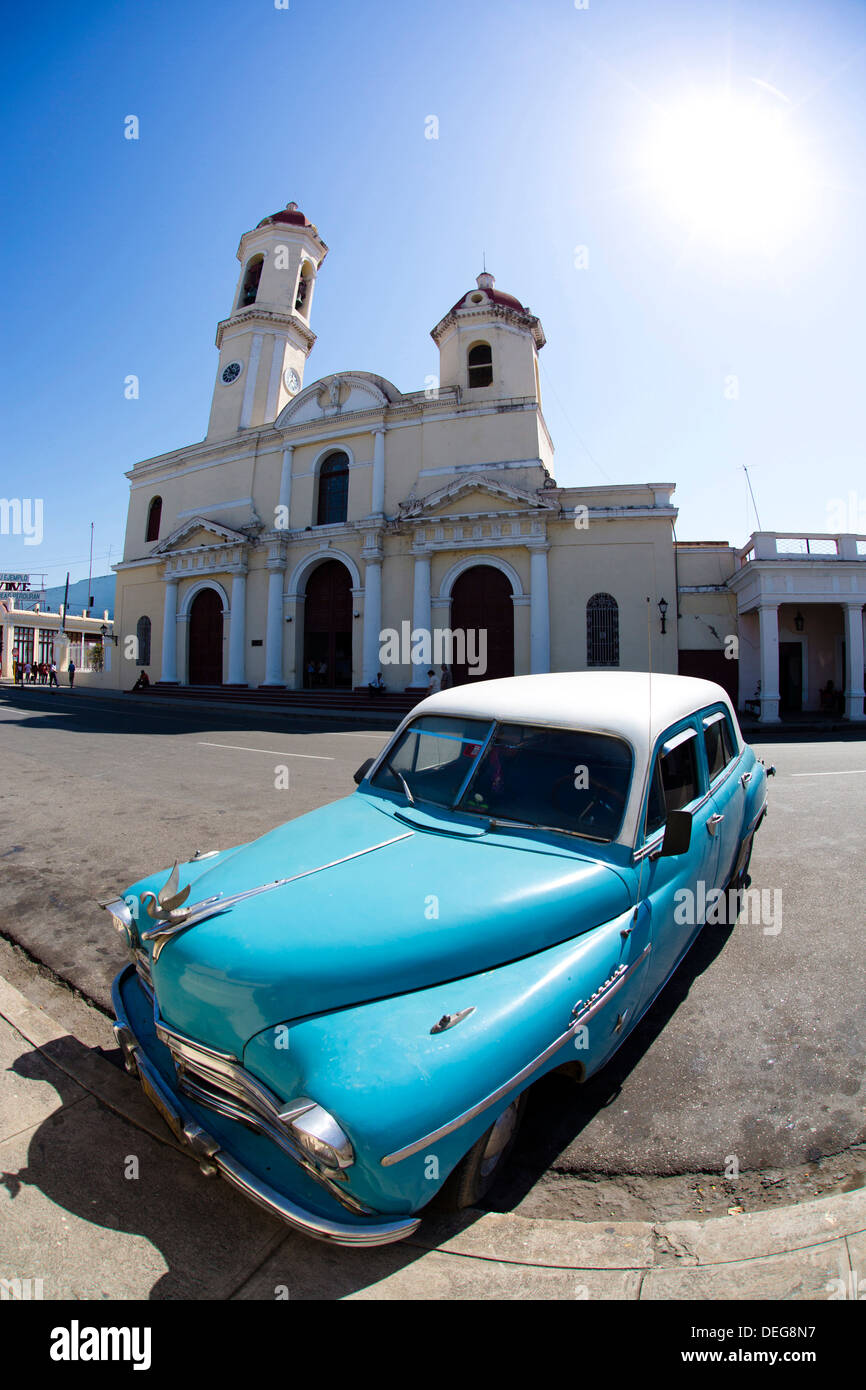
(675, 779)
(718, 742)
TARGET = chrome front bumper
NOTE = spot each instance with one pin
(212, 1159)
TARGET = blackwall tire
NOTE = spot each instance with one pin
(478, 1169)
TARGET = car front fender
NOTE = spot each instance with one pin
(414, 1090)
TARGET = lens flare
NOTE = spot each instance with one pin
(731, 169)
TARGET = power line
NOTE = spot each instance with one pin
(572, 426)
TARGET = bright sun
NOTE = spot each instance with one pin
(731, 169)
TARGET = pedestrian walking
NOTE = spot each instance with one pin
(52, 675)
(71, 673)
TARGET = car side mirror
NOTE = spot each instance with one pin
(678, 833)
(363, 770)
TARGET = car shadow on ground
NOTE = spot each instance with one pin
(156, 1228)
(559, 1110)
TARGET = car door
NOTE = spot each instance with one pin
(675, 887)
(727, 788)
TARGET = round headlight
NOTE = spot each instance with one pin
(122, 920)
(322, 1139)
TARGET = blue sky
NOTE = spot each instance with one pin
(120, 255)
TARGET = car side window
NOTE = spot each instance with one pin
(675, 781)
(718, 742)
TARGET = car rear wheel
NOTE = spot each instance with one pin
(737, 885)
(478, 1169)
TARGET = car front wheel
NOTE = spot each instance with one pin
(475, 1173)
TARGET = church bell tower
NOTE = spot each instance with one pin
(265, 341)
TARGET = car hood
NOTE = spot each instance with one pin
(379, 903)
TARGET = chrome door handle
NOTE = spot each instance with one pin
(713, 822)
(745, 779)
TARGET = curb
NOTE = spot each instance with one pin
(788, 1252)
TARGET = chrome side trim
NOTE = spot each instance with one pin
(209, 1155)
(585, 1013)
(757, 819)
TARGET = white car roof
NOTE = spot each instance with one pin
(632, 704)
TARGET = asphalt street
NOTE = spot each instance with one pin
(754, 1050)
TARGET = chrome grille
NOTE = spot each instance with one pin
(218, 1081)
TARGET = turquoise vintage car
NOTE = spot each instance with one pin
(343, 1017)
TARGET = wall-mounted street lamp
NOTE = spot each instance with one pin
(663, 608)
(110, 635)
(799, 621)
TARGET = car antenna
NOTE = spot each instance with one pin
(649, 702)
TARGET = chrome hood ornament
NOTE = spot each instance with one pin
(166, 905)
(167, 910)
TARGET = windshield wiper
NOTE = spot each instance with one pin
(402, 780)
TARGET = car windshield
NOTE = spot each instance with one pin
(562, 779)
(559, 779)
(433, 758)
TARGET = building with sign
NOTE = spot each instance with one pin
(39, 637)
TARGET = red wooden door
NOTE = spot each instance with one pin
(328, 628)
(206, 639)
(481, 602)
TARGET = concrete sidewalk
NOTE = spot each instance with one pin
(97, 1201)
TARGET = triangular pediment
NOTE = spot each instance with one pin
(197, 533)
(475, 495)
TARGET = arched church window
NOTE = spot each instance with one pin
(602, 631)
(303, 293)
(142, 633)
(480, 364)
(333, 505)
(154, 516)
(250, 286)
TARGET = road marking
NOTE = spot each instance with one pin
(241, 748)
(846, 772)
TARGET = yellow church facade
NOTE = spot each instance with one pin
(325, 532)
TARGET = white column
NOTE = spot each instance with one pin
(250, 383)
(768, 618)
(372, 618)
(274, 379)
(274, 634)
(854, 693)
(8, 644)
(378, 506)
(539, 612)
(238, 633)
(285, 497)
(169, 634)
(421, 620)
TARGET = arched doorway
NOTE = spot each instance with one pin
(328, 628)
(481, 602)
(206, 639)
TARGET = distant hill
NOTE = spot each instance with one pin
(101, 587)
